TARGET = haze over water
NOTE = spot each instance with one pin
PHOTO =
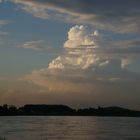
(69, 128)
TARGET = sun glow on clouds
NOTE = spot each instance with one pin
(78, 50)
(81, 69)
(100, 66)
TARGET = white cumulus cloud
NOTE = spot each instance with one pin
(79, 36)
(79, 53)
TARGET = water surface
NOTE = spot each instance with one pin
(69, 128)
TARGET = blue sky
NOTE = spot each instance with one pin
(70, 52)
(23, 27)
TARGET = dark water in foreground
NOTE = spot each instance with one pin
(69, 128)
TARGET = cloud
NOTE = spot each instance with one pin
(38, 45)
(85, 48)
(3, 22)
(31, 7)
(1, 1)
(37, 12)
(80, 36)
(3, 33)
(41, 46)
(83, 69)
(77, 55)
(131, 44)
(120, 16)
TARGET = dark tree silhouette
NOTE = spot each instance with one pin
(63, 110)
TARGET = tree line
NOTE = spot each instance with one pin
(63, 110)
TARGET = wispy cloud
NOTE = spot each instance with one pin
(1, 1)
(2, 32)
(38, 45)
(3, 22)
(120, 16)
(41, 46)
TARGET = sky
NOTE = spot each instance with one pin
(81, 53)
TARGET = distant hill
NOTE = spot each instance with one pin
(108, 111)
(46, 110)
(63, 110)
